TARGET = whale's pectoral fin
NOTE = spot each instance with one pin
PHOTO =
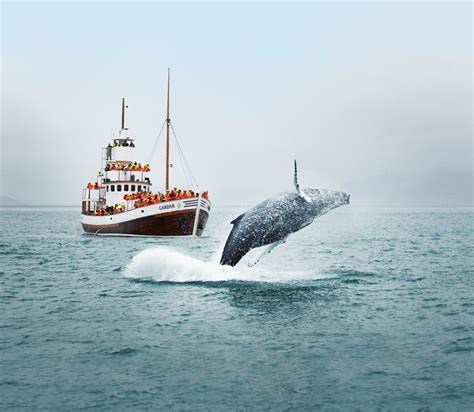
(297, 186)
(264, 250)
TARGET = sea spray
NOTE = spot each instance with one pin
(163, 264)
(168, 265)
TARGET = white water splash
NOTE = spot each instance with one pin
(168, 265)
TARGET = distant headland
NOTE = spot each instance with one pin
(9, 201)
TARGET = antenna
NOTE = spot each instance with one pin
(123, 113)
(168, 121)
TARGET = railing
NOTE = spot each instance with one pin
(131, 177)
(90, 205)
(89, 202)
(92, 195)
(146, 181)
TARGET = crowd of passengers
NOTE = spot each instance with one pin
(110, 210)
(95, 186)
(147, 198)
(118, 143)
(143, 199)
(136, 167)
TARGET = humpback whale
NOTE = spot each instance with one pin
(270, 222)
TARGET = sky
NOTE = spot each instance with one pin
(372, 98)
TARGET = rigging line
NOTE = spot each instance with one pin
(184, 157)
(186, 174)
(156, 143)
(183, 168)
(187, 170)
(188, 183)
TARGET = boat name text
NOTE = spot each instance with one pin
(167, 207)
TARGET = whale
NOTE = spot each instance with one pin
(269, 223)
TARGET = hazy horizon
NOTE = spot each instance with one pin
(371, 98)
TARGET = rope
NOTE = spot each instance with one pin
(188, 183)
(156, 143)
(193, 180)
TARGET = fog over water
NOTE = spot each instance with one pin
(373, 98)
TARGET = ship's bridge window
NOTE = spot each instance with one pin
(112, 188)
(133, 188)
(119, 188)
(139, 188)
(125, 188)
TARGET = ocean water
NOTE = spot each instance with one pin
(365, 309)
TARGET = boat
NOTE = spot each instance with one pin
(121, 203)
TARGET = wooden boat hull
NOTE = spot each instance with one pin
(167, 219)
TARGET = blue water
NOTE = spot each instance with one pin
(365, 309)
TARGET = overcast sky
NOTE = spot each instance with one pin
(372, 98)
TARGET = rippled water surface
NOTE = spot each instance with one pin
(364, 309)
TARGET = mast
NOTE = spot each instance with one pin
(168, 135)
(123, 113)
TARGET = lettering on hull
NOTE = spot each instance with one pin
(164, 207)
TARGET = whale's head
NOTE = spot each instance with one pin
(324, 200)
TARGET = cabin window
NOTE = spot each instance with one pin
(125, 188)
(119, 188)
(133, 188)
(112, 188)
(139, 188)
(107, 188)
